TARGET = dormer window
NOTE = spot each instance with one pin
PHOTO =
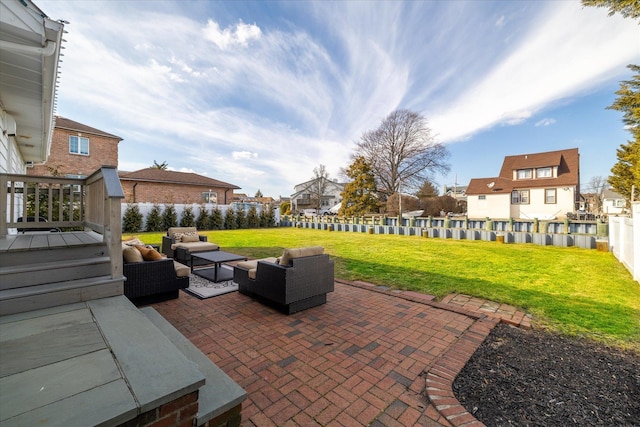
(543, 173)
(524, 173)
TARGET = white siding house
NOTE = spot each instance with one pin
(305, 196)
(613, 203)
(540, 185)
(30, 50)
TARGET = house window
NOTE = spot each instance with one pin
(79, 145)
(543, 173)
(550, 196)
(520, 197)
(619, 203)
(209, 197)
(524, 173)
(482, 197)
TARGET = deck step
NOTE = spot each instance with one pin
(60, 293)
(220, 394)
(57, 271)
(17, 258)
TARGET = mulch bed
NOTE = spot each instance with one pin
(534, 378)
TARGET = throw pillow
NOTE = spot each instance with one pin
(149, 254)
(177, 237)
(188, 237)
(131, 254)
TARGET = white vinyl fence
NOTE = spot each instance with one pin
(624, 240)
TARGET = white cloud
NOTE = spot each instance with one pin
(261, 105)
(238, 155)
(547, 121)
(240, 34)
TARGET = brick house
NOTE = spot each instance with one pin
(539, 185)
(77, 150)
(152, 185)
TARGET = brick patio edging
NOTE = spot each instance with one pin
(442, 373)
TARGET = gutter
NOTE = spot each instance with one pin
(48, 49)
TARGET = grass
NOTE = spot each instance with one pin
(568, 290)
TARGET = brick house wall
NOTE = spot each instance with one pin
(103, 151)
(156, 192)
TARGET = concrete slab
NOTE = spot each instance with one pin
(155, 369)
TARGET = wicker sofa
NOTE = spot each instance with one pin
(298, 280)
(150, 276)
(180, 242)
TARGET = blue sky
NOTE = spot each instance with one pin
(257, 93)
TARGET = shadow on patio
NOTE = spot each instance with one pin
(369, 356)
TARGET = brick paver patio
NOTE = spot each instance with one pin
(370, 356)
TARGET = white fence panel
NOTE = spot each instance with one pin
(624, 240)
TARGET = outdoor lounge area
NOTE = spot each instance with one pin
(369, 356)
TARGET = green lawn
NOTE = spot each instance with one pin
(569, 290)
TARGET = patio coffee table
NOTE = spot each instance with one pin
(215, 273)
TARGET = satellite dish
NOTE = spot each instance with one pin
(491, 184)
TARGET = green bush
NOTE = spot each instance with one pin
(132, 219)
(202, 222)
(241, 219)
(169, 217)
(154, 219)
(253, 220)
(187, 219)
(216, 221)
(267, 218)
(230, 220)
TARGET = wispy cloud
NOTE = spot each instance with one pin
(266, 102)
(547, 121)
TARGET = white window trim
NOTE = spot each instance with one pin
(80, 138)
(523, 171)
(555, 196)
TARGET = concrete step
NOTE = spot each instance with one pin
(220, 397)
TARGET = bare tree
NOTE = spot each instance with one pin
(597, 184)
(316, 186)
(402, 152)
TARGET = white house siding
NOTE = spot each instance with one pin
(613, 206)
(494, 206)
(10, 158)
(537, 208)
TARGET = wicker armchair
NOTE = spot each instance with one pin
(302, 284)
(178, 249)
(152, 281)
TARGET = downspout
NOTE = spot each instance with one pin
(134, 192)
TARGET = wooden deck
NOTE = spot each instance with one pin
(47, 240)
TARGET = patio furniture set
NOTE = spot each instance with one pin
(297, 280)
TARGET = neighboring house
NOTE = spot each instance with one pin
(613, 203)
(305, 196)
(540, 185)
(77, 150)
(29, 51)
(152, 185)
(458, 192)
